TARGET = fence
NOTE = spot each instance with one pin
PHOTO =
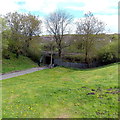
(59, 62)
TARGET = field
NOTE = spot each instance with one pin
(14, 64)
(62, 93)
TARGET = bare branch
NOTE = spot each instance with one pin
(57, 24)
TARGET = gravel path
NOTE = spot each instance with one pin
(18, 73)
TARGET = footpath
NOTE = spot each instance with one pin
(18, 73)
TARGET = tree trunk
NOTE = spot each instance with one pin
(86, 50)
(51, 61)
(59, 52)
(86, 58)
(27, 44)
(17, 55)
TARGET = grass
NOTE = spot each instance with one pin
(62, 92)
(14, 64)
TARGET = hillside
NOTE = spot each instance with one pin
(62, 93)
(14, 64)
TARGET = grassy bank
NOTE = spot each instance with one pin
(63, 92)
(14, 64)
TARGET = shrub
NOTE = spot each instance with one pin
(108, 54)
(78, 58)
(34, 51)
(5, 54)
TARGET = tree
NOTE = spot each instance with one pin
(89, 28)
(49, 46)
(23, 28)
(15, 23)
(5, 35)
(57, 24)
(3, 32)
(31, 27)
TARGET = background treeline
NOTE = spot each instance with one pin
(21, 36)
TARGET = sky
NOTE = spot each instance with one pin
(105, 10)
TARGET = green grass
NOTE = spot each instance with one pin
(14, 64)
(62, 92)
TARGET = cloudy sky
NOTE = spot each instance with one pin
(105, 10)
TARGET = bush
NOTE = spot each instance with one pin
(109, 53)
(75, 58)
(34, 51)
(5, 54)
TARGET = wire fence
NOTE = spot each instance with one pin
(59, 62)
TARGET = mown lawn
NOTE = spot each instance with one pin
(62, 93)
(14, 64)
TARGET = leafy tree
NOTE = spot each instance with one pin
(23, 28)
(5, 35)
(15, 24)
(35, 48)
(31, 27)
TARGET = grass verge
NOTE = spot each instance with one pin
(62, 93)
(14, 64)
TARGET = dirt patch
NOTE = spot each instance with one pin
(64, 116)
(11, 72)
(12, 97)
(83, 87)
(66, 79)
(91, 93)
(113, 92)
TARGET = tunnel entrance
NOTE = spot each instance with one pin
(48, 59)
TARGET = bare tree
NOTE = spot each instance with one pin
(57, 24)
(89, 29)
